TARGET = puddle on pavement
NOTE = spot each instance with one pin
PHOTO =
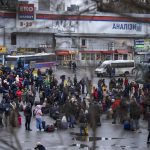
(90, 139)
(80, 146)
(82, 138)
(125, 146)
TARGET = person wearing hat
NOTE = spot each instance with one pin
(39, 146)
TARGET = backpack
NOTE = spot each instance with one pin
(7, 109)
(28, 110)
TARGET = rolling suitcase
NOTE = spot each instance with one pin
(127, 125)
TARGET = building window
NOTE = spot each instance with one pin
(88, 57)
(116, 57)
(74, 43)
(98, 56)
(83, 42)
(125, 57)
(13, 39)
(83, 56)
(92, 56)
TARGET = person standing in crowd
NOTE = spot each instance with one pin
(28, 115)
(74, 66)
(82, 82)
(134, 114)
(7, 109)
(75, 80)
(148, 138)
(70, 64)
(1, 114)
(38, 116)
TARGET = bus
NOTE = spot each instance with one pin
(121, 67)
(36, 61)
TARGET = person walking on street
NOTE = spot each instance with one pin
(148, 138)
(28, 114)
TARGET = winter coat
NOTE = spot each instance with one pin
(134, 110)
(40, 147)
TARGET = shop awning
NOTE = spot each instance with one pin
(89, 51)
(62, 53)
(121, 51)
(107, 52)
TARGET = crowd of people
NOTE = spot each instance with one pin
(70, 101)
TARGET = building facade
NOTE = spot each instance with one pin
(87, 38)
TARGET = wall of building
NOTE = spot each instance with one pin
(76, 43)
(35, 40)
(71, 30)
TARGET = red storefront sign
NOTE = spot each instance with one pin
(26, 12)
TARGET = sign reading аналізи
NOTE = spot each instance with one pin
(127, 26)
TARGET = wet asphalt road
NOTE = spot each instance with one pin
(109, 136)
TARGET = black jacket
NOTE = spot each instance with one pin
(40, 147)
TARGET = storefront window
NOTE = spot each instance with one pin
(108, 57)
(83, 56)
(88, 56)
(68, 57)
(125, 56)
(73, 56)
(92, 56)
(116, 57)
(98, 56)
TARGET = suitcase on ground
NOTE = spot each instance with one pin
(43, 124)
(19, 120)
(127, 125)
(49, 128)
(64, 125)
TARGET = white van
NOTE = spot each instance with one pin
(122, 67)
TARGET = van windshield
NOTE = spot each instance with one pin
(103, 66)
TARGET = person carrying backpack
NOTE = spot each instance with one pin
(28, 114)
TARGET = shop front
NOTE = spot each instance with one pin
(65, 56)
(93, 57)
(87, 58)
(123, 55)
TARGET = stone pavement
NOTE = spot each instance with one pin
(109, 136)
